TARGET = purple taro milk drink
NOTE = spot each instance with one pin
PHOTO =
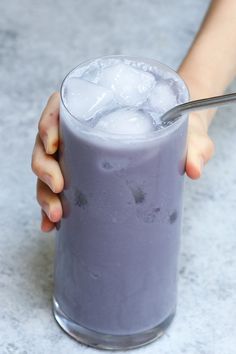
(118, 242)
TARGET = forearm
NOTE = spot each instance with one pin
(210, 64)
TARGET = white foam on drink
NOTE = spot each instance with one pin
(84, 99)
(130, 86)
(162, 98)
(126, 121)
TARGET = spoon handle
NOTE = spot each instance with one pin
(196, 105)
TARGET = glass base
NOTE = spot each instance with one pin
(108, 341)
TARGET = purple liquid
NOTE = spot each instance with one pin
(117, 245)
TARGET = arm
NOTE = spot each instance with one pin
(207, 69)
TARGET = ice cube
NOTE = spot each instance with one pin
(126, 121)
(162, 98)
(84, 99)
(130, 86)
(91, 73)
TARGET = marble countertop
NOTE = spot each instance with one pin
(40, 41)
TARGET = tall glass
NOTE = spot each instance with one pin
(117, 245)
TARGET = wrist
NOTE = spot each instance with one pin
(199, 88)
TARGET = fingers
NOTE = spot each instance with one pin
(46, 167)
(200, 147)
(194, 164)
(48, 124)
(200, 150)
(46, 224)
(50, 203)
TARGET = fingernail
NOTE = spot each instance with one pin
(48, 180)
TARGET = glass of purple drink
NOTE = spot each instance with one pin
(117, 245)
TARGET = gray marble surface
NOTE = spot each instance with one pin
(40, 41)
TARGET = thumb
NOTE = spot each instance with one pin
(194, 164)
(200, 150)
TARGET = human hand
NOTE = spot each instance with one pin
(44, 164)
(200, 147)
(50, 181)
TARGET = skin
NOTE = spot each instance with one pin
(207, 70)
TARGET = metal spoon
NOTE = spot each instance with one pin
(204, 103)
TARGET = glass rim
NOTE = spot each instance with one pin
(138, 137)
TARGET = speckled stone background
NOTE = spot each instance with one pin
(40, 41)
